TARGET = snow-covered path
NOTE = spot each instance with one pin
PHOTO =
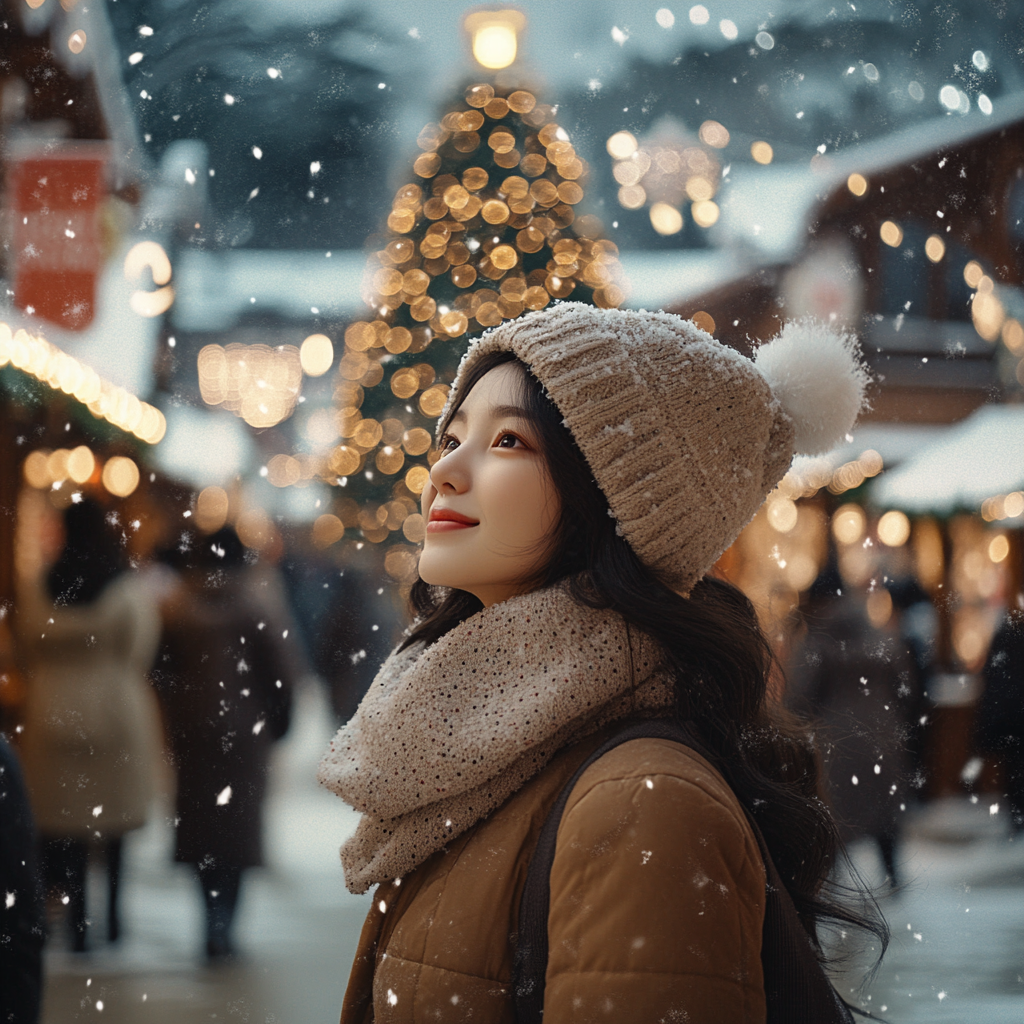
(957, 953)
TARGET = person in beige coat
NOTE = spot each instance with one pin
(92, 732)
(576, 798)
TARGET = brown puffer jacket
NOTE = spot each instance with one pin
(657, 903)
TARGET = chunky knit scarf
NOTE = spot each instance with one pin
(449, 732)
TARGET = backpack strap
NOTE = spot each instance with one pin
(797, 990)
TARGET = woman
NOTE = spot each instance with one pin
(226, 692)
(92, 731)
(594, 465)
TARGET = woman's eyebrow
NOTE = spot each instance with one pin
(512, 411)
(496, 412)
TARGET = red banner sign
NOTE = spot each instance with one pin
(56, 200)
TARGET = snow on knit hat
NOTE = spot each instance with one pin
(684, 435)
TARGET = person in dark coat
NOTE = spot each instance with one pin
(1000, 722)
(355, 635)
(21, 915)
(226, 694)
(855, 681)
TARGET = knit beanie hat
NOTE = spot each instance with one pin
(684, 435)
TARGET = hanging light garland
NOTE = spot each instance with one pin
(34, 355)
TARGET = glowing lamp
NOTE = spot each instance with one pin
(494, 36)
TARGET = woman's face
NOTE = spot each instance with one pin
(490, 505)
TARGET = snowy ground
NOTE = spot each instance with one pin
(957, 950)
(957, 953)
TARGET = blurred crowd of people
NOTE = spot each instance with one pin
(175, 669)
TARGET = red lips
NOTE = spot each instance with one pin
(448, 515)
(442, 519)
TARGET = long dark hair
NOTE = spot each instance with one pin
(713, 647)
(93, 555)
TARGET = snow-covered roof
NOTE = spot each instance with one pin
(979, 458)
(766, 209)
(895, 442)
(215, 289)
(658, 280)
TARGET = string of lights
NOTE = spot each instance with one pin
(41, 359)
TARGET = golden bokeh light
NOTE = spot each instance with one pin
(891, 233)
(255, 529)
(57, 465)
(416, 479)
(973, 273)
(344, 461)
(417, 441)
(211, 509)
(761, 152)
(1013, 504)
(120, 476)
(327, 530)
(36, 470)
(81, 464)
(699, 189)
(987, 311)
(433, 400)
(622, 145)
(704, 320)
(665, 219)
(316, 354)
(998, 548)
(782, 513)
(714, 134)
(848, 523)
(414, 528)
(284, 470)
(632, 197)
(1013, 335)
(934, 248)
(258, 383)
(494, 36)
(77, 41)
(857, 184)
(401, 564)
(705, 213)
(894, 529)
(390, 459)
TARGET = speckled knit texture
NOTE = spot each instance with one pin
(681, 432)
(448, 733)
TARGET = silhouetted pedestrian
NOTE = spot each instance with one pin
(855, 681)
(226, 693)
(1000, 723)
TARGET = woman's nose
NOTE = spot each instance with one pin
(449, 474)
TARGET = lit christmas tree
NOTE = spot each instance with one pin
(485, 230)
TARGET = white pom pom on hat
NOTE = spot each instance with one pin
(816, 375)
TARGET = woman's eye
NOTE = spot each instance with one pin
(449, 444)
(508, 441)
